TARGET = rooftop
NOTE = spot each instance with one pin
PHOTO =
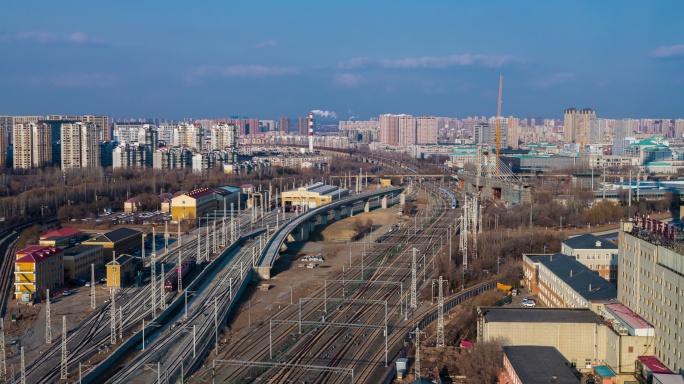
(577, 276)
(78, 249)
(537, 365)
(652, 363)
(540, 315)
(589, 241)
(115, 235)
(628, 317)
(37, 253)
(64, 232)
(197, 193)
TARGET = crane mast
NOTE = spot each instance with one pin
(497, 139)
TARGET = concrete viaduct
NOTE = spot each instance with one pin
(299, 228)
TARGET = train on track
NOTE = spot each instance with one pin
(454, 202)
(171, 283)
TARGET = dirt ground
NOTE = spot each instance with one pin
(290, 282)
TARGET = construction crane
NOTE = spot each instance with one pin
(497, 139)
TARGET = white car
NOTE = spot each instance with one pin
(529, 303)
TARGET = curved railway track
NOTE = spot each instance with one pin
(302, 352)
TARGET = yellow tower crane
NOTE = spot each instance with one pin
(497, 139)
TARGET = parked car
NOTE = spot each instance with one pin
(529, 303)
(67, 293)
(87, 284)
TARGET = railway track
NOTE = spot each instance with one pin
(302, 352)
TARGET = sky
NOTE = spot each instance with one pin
(359, 59)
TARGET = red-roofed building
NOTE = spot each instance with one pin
(36, 269)
(62, 237)
(193, 204)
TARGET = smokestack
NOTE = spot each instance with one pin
(310, 131)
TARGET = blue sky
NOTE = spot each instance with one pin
(267, 59)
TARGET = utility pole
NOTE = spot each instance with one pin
(440, 314)
(179, 234)
(65, 371)
(179, 268)
(92, 286)
(48, 326)
(414, 304)
(112, 315)
(417, 332)
(153, 283)
(162, 293)
(121, 323)
(23, 368)
(3, 358)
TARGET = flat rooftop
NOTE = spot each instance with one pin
(628, 317)
(540, 315)
(536, 365)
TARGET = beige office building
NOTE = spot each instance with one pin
(651, 283)
(77, 261)
(32, 147)
(577, 124)
(80, 145)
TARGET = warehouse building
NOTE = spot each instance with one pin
(119, 241)
(313, 196)
(77, 260)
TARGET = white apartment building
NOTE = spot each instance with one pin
(80, 144)
(224, 136)
(651, 283)
(32, 148)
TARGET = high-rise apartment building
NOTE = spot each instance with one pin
(32, 147)
(512, 132)
(623, 128)
(407, 130)
(427, 129)
(577, 125)
(190, 135)
(127, 132)
(284, 125)
(303, 126)
(651, 283)
(679, 128)
(80, 145)
(101, 123)
(224, 136)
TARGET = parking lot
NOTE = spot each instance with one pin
(136, 218)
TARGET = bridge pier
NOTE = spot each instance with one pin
(324, 219)
(366, 207)
(338, 214)
(312, 225)
(264, 272)
(351, 211)
(383, 202)
(402, 199)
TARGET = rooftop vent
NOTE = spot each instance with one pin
(598, 243)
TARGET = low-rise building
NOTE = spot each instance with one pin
(313, 195)
(78, 259)
(120, 271)
(62, 237)
(597, 254)
(193, 205)
(36, 269)
(563, 282)
(527, 364)
(118, 241)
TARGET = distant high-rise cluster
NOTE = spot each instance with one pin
(405, 130)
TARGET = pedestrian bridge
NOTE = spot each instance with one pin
(302, 225)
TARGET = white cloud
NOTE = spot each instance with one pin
(553, 80)
(667, 51)
(430, 61)
(43, 37)
(75, 79)
(266, 44)
(244, 71)
(347, 80)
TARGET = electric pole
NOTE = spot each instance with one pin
(440, 313)
(180, 273)
(153, 283)
(112, 315)
(417, 332)
(48, 326)
(413, 281)
(92, 286)
(23, 368)
(64, 349)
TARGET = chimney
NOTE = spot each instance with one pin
(589, 287)
(571, 273)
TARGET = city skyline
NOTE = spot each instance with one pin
(359, 60)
